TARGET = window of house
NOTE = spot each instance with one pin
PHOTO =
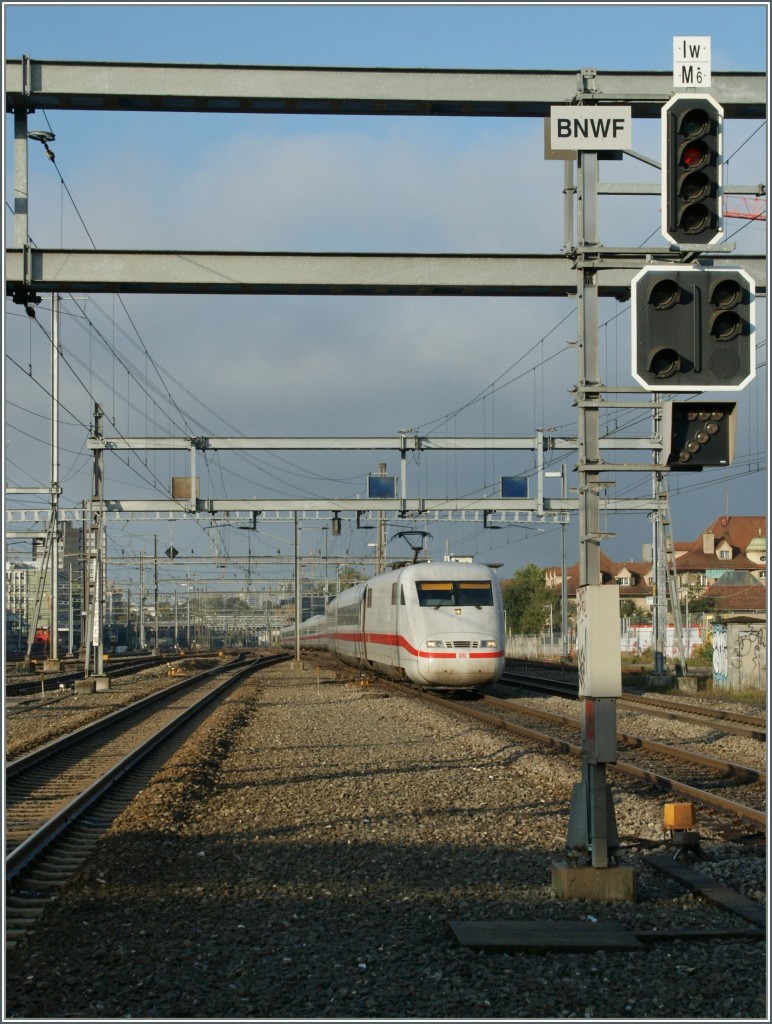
(725, 553)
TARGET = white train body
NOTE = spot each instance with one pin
(438, 624)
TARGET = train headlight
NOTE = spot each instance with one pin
(432, 645)
(488, 645)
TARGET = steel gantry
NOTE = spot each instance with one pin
(584, 269)
(97, 86)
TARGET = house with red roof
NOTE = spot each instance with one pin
(727, 563)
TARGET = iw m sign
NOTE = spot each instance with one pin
(591, 128)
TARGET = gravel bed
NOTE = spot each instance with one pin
(302, 854)
(703, 738)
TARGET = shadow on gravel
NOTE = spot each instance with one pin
(342, 922)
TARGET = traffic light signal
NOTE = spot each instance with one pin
(692, 128)
(693, 328)
(697, 434)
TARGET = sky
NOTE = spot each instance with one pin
(343, 366)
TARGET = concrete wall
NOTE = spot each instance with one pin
(740, 655)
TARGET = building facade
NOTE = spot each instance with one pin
(725, 567)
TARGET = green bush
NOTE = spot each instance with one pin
(703, 655)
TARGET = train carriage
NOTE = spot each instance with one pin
(438, 624)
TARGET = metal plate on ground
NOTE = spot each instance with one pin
(712, 890)
(544, 936)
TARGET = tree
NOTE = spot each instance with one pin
(528, 600)
(706, 604)
(349, 576)
(630, 610)
(226, 603)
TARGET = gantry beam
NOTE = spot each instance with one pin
(405, 442)
(79, 270)
(199, 88)
(238, 511)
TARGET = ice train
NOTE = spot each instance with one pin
(439, 625)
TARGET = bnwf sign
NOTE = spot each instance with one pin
(591, 127)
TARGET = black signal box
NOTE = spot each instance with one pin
(698, 434)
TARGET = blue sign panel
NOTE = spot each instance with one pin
(381, 487)
(514, 487)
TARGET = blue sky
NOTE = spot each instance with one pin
(318, 366)
(528, 36)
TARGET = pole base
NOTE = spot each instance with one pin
(596, 884)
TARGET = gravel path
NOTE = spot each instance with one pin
(301, 856)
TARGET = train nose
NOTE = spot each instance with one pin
(451, 660)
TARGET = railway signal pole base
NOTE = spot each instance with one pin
(582, 882)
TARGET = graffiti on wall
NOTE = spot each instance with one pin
(740, 654)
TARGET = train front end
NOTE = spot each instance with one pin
(457, 626)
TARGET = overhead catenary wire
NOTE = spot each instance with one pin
(163, 376)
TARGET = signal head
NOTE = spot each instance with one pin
(698, 434)
(693, 328)
(692, 128)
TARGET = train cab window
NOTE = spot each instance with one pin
(394, 589)
(464, 593)
(401, 594)
(470, 592)
(369, 598)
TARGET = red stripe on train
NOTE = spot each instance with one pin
(394, 640)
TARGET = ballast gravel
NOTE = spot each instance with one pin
(301, 856)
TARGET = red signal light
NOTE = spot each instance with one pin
(694, 155)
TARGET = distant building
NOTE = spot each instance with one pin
(727, 562)
(26, 584)
(730, 542)
(737, 592)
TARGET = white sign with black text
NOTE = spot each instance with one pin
(691, 62)
(590, 128)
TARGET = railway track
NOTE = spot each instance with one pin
(737, 723)
(723, 786)
(667, 766)
(61, 797)
(43, 685)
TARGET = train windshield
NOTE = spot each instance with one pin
(457, 593)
